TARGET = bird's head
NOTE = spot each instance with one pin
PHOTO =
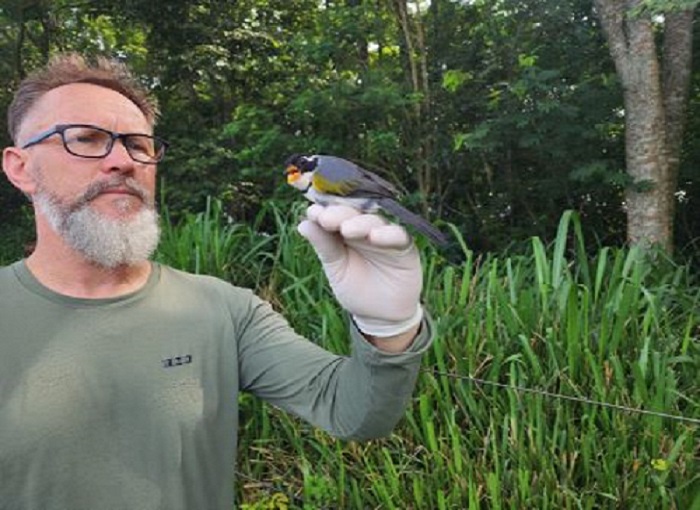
(299, 170)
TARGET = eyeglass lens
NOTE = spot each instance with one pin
(96, 143)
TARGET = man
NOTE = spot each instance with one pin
(118, 376)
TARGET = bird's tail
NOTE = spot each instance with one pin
(413, 219)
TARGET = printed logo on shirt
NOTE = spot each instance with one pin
(177, 361)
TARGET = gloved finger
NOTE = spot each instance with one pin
(359, 227)
(390, 236)
(332, 216)
(313, 212)
(328, 245)
(376, 230)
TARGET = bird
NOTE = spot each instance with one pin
(331, 180)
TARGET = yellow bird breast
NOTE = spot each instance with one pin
(333, 188)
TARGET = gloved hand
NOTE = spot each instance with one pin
(372, 266)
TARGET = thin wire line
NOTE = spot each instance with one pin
(533, 391)
(582, 400)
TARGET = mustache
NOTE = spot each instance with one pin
(127, 183)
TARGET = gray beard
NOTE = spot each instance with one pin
(103, 241)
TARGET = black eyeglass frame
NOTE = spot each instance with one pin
(60, 129)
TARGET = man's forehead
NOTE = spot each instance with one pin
(84, 103)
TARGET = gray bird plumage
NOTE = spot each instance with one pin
(336, 180)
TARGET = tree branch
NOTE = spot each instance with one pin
(611, 14)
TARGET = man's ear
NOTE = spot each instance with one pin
(16, 167)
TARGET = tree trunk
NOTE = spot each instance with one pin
(655, 100)
(419, 120)
(677, 70)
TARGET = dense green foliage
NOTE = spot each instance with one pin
(614, 328)
(494, 115)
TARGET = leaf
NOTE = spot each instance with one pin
(660, 464)
(453, 79)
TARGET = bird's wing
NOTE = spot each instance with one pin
(389, 189)
(342, 177)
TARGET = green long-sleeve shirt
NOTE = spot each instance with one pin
(131, 402)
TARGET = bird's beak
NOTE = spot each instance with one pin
(293, 173)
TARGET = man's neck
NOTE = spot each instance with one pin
(69, 274)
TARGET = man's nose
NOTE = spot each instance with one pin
(118, 159)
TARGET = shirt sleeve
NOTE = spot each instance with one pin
(361, 396)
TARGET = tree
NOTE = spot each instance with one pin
(656, 85)
(415, 61)
(528, 128)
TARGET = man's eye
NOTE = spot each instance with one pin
(85, 137)
(140, 144)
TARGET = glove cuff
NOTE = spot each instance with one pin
(384, 328)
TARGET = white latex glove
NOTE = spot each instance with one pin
(372, 266)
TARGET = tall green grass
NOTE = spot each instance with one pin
(619, 327)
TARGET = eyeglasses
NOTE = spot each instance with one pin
(87, 141)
